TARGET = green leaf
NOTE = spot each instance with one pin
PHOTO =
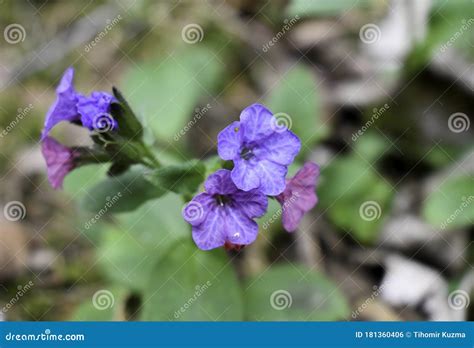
(444, 155)
(356, 198)
(109, 305)
(449, 29)
(213, 164)
(121, 193)
(125, 258)
(130, 249)
(191, 284)
(295, 103)
(293, 293)
(451, 205)
(129, 125)
(371, 146)
(166, 91)
(183, 178)
(308, 8)
(81, 179)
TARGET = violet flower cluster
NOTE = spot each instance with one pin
(261, 151)
(116, 133)
(257, 148)
(91, 112)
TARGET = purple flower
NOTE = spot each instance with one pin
(299, 196)
(223, 215)
(94, 111)
(64, 108)
(60, 160)
(71, 106)
(261, 150)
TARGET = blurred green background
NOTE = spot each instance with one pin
(380, 93)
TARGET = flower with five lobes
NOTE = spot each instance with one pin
(261, 150)
(223, 215)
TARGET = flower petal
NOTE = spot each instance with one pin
(253, 203)
(229, 141)
(195, 212)
(299, 196)
(291, 218)
(240, 228)
(272, 177)
(64, 107)
(304, 199)
(306, 176)
(256, 123)
(59, 161)
(212, 232)
(280, 148)
(220, 182)
(93, 109)
(245, 174)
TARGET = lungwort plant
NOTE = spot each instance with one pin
(222, 197)
(258, 147)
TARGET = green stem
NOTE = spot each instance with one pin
(87, 156)
(149, 155)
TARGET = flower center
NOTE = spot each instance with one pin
(222, 199)
(246, 153)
